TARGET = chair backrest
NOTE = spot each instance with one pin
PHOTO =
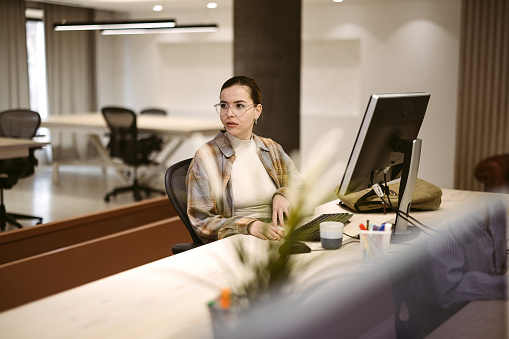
(156, 111)
(123, 133)
(175, 183)
(19, 123)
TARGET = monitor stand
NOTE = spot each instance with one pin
(412, 155)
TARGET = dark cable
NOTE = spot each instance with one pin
(398, 211)
(352, 236)
(407, 217)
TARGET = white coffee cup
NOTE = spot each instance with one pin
(331, 234)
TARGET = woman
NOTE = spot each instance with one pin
(238, 181)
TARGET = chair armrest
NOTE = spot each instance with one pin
(494, 173)
(182, 247)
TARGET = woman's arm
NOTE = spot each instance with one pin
(290, 182)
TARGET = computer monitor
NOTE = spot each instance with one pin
(387, 144)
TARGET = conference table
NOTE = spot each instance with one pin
(11, 148)
(177, 129)
(168, 298)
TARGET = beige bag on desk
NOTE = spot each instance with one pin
(426, 197)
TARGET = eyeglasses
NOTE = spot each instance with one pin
(237, 108)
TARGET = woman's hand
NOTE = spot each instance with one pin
(266, 231)
(280, 208)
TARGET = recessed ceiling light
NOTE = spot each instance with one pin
(337, 0)
(157, 8)
(211, 5)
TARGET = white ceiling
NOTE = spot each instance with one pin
(143, 6)
(134, 6)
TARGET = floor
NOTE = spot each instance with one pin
(80, 190)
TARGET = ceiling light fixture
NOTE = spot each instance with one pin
(157, 8)
(31, 13)
(211, 5)
(88, 26)
(176, 29)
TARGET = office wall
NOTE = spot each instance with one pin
(111, 64)
(390, 46)
(404, 46)
(180, 72)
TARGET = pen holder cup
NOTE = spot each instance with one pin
(224, 321)
(375, 246)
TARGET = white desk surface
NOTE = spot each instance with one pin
(16, 148)
(147, 123)
(167, 298)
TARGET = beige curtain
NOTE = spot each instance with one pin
(70, 58)
(14, 90)
(483, 101)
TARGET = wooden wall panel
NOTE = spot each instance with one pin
(42, 275)
(39, 239)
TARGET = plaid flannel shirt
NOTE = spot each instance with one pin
(209, 192)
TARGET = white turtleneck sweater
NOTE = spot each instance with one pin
(252, 186)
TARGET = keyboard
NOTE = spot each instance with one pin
(310, 231)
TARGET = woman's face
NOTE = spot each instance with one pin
(241, 124)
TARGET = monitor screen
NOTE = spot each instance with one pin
(389, 121)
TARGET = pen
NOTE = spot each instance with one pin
(225, 299)
(362, 227)
(367, 251)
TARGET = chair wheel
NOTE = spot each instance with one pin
(107, 198)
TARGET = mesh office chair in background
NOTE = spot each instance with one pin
(175, 183)
(125, 144)
(19, 123)
(155, 111)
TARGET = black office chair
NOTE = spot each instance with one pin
(155, 111)
(175, 183)
(18, 123)
(493, 172)
(126, 145)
